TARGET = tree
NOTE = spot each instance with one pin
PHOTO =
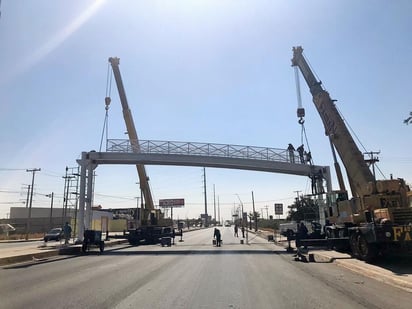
(303, 209)
(252, 218)
(409, 119)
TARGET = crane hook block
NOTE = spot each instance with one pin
(301, 112)
(107, 100)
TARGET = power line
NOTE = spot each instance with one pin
(4, 169)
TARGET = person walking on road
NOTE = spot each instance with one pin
(301, 234)
(218, 237)
(243, 231)
(236, 231)
(67, 232)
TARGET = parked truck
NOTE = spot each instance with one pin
(378, 218)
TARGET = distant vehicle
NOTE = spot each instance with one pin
(6, 228)
(150, 235)
(228, 223)
(54, 234)
(291, 228)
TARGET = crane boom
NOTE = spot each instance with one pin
(131, 131)
(360, 177)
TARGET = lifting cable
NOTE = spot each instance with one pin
(301, 112)
(107, 104)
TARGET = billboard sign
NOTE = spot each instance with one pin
(278, 209)
(175, 202)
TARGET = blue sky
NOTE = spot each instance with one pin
(201, 71)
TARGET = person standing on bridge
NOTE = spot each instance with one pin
(301, 150)
(291, 150)
(308, 156)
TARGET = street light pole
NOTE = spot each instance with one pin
(51, 209)
(241, 203)
(205, 193)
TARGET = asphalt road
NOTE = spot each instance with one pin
(192, 274)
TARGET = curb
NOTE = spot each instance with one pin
(374, 274)
(27, 257)
(71, 250)
(359, 269)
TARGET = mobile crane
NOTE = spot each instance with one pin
(378, 218)
(131, 131)
(149, 232)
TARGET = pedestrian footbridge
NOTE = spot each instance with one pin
(152, 152)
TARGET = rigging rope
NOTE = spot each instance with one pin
(301, 112)
(107, 104)
(303, 134)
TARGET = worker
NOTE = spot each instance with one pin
(218, 237)
(302, 233)
(67, 232)
(291, 150)
(308, 157)
(301, 151)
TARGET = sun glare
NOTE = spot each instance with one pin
(55, 41)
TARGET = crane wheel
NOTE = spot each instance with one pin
(367, 251)
(353, 243)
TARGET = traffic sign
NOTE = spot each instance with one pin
(278, 209)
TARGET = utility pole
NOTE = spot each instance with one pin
(214, 202)
(34, 170)
(204, 190)
(254, 213)
(218, 209)
(372, 160)
(297, 196)
(67, 180)
(28, 196)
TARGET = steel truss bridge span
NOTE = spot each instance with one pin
(147, 152)
(155, 152)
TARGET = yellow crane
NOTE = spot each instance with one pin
(134, 141)
(378, 218)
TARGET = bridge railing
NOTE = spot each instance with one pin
(202, 149)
